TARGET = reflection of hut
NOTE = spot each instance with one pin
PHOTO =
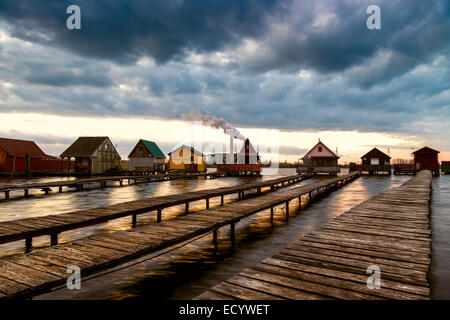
(426, 159)
(146, 156)
(320, 159)
(187, 159)
(93, 155)
(376, 162)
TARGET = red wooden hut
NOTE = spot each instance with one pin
(23, 156)
(426, 159)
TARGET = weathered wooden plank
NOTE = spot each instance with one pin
(273, 289)
(310, 287)
(213, 295)
(360, 257)
(392, 255)
(358, 278)
(238, 292)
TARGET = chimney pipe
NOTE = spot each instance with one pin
(231, 158)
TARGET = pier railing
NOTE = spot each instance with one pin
(43, 269)
(53, 225)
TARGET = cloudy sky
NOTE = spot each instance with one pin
(285, 73)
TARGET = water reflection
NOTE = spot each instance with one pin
(92, 198)
(440, 222)
(195, 267)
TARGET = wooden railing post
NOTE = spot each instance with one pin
(54, 239)
(28, 244)
(158, 215)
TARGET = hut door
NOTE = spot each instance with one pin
(418, 166)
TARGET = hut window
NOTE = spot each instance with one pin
(141, 149)
(320, 149)
(106, 147)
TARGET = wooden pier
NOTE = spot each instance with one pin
(79, 184)
(389, 233)
(40, 270)
(53, 225)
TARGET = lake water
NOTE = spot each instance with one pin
(193, 268)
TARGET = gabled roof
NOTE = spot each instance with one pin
(375, 151)
(20, 148)
(426, 149)
(151, 147)
(333, 155)
(251, 150)
(84, 147)
(186, 147)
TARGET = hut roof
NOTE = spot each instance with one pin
(375, 152)
(20, 148)
(186, 147)
(425, 149)
(251, 149)
(152, 148)
(84, 147)
(312, 154)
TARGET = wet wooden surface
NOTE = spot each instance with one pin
(43, 269)
(77, 185)
(391, 230)
(54, 224)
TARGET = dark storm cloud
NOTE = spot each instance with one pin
(125, 30)
(326, 36)
(292, 65)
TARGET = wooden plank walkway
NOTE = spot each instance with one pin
(79, 184)
(41, 270)
(390, 230)
(53, 225)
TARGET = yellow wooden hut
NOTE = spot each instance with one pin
(185, 158)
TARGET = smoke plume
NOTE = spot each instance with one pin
(214, 122)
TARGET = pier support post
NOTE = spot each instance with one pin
(207, 203)
(121, 182)
(28, 244)
(232, 236)
(7, 195)
(259, 190)
(54, 239)
(215, 237)
(158, 215)
(271, 214)
(133, 220)
(287, 209)
(187, 208)
(60, 189)
(25, 193)
(221, 200)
